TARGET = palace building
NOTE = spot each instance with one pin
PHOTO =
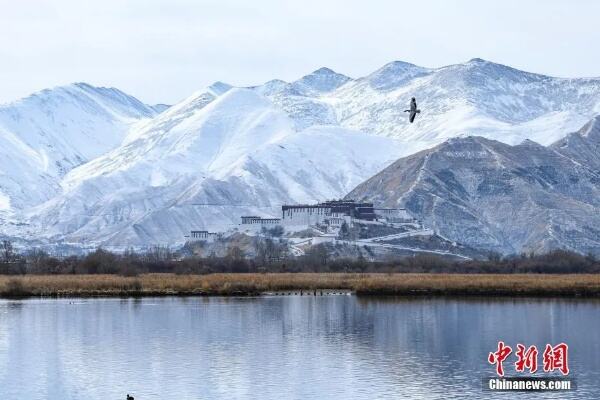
(312, 214)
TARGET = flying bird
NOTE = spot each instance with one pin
(413, 110)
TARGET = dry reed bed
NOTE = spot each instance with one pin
(253, 284)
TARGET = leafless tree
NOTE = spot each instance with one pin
(235, 253)
(7, 251)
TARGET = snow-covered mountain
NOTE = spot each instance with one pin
(89, 164)
(475, 98)
(303, 100)
(47, 134)
(201, 165)
(492, 195)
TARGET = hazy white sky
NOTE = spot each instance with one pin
(163, 50)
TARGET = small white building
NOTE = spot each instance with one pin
(203, 235)
(336, 220)
(256, 224)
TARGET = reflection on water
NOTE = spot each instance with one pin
(330, 347)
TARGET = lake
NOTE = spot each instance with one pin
(283, 347)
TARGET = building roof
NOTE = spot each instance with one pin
(333, 204)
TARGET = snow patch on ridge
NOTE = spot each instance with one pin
(4, 202)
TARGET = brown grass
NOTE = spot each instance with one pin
(254, 284)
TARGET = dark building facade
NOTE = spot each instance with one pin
(350, 208)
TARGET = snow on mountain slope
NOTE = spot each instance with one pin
(73, 123)
(23, 180)
(192, 137)
(583, 146)
(475, 98)
(174, 114)
(391, 76)
(158, 108)
(47, 134)
(204, 168)
(323, 80)
(301, 98)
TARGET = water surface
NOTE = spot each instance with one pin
(329, 347)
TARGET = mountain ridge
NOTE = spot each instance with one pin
(316, 137)
(46, 134)
(466, 188)
(182, 172)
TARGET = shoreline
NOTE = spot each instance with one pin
(369, 284)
